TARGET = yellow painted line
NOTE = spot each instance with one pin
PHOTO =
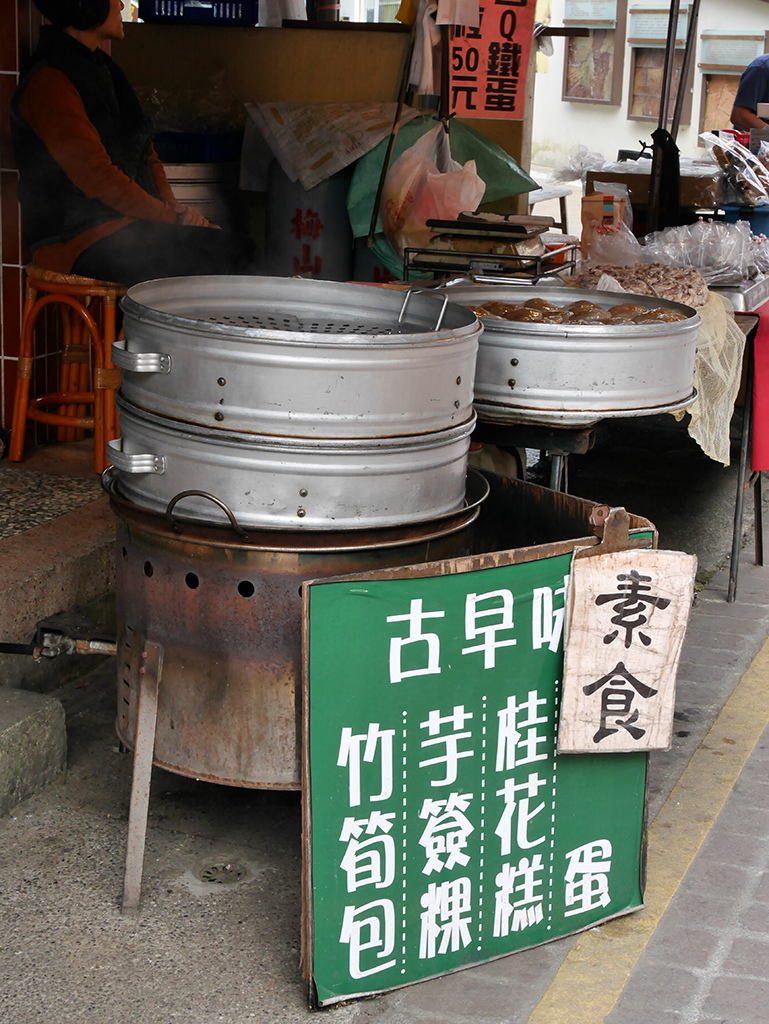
(599, 964)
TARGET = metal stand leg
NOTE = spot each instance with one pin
(559, 472)
(743, 481)
(758, 518)
(146, 722)
(554, 443)
(562, 204)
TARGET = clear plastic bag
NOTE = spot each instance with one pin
(724, 254)
(746, 179)
(578, 161)
(425, 184)
(211, 108)
(617, 246)
(502, 176)
(717, 373)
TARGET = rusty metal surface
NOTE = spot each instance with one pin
(229, 618)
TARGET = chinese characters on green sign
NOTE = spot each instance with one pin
(443, 828)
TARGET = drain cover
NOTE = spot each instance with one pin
(223, 872)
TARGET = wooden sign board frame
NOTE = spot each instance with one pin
(627, 616)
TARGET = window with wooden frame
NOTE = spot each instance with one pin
(725, 53)
(717, 100)
(592, 71)
(646, 71)
(647, 36)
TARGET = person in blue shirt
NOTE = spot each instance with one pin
(752, 90)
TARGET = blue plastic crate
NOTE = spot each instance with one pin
(200, 12)
(757, 216)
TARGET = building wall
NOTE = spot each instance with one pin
(559, 126)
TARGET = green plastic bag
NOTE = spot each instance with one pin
(503, 177)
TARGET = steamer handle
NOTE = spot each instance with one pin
(125, 462)
(425, 291)
(217, 501)
(139, 362)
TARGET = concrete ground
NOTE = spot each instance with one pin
(217, 939)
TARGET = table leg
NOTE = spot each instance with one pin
(562, 201)
(758, 518)
(743, 481)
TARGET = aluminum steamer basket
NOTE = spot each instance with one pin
(297, 358)
(294, 484)
(572, 375)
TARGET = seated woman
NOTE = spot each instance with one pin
(94, 198)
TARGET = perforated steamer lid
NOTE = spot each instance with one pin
(295, 308)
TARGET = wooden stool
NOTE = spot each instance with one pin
(86, 353)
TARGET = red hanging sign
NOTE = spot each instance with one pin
(489, 64)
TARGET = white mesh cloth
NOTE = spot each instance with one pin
(717, 374)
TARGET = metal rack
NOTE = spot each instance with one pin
(455, 261)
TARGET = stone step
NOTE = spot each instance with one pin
(62, 564)
(33, 744)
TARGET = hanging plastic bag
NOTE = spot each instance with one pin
(617, 245)
(425, 184)
(746, 179)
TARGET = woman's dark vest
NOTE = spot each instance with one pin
(53, 209)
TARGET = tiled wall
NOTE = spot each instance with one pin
(19, 23)
(16, 18)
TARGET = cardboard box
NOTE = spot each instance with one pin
(599, 211)
(698, 191)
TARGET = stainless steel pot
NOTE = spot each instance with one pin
(575, 375)
(297, 358)
(291, 483)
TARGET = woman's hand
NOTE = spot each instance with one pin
(191, 217)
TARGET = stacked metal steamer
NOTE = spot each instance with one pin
(272, 430)
(571, 374)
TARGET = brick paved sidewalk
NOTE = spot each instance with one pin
(708, 959)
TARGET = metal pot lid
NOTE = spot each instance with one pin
(297, 310)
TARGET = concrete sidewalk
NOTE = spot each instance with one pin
(205, 951)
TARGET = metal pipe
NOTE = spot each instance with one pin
(55, 644)
(391, 141)
(691, 29)
(657, 155)
(667, 72)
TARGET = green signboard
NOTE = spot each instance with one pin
(442, 830)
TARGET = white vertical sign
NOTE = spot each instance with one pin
(627, 618)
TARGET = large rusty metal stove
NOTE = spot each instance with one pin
(226, 607)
